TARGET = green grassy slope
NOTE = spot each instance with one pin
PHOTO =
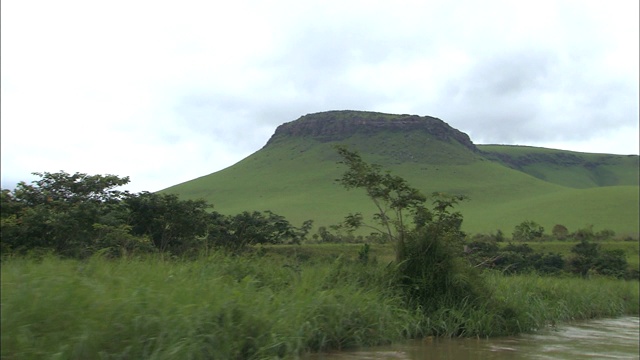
(567, 168)
(294, 177)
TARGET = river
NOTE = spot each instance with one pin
(595, 339)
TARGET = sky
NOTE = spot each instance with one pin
(167, 91)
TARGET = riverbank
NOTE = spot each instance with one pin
(262, 306)
(608, 338)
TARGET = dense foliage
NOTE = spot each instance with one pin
(77, 215)
(586, 258)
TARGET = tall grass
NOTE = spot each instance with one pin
(217, 307)
(223, 307)
(533, 301)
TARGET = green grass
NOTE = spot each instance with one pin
(222, 307)
(540, 301)
(217, 307)
(568, 168)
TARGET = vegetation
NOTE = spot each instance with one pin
(261, 306)
(79, 215)
(93, 272)
(567, 168)
(428, 262)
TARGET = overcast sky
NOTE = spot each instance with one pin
(165, 92)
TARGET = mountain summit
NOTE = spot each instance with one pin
(341, 124)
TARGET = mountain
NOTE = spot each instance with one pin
(294, 175)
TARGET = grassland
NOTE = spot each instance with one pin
(264, 306)
(567, 168)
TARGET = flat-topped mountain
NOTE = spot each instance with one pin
(339, 125)
(293, 175)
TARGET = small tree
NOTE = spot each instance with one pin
(584, 234)
(235, 233)
(588, 256)
(560, 232)
(528, 231)
(393, 197)
(612, 263)
(172, 224)
(584, 257)
(427, 242)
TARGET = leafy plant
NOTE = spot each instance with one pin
(236, 232)
(392, 196)
(58, 212)
(560, 232)
(427, 241)
(528, 231)
(588, 257)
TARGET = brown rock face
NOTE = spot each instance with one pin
(339, 125)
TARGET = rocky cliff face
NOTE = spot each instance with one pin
(339, 125)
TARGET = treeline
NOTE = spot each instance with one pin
(527, 231)
(586, 258)
(514, 255)
(78, 215)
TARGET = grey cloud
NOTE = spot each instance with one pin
(534, 95)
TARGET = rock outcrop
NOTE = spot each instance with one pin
(339, 125)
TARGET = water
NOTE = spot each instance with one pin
(596, 339)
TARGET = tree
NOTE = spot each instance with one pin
(250, 228)
(172, 224)
(528, 231)
(611, 263)
(58, 211)
(584, 257)
(61, 187)
(392, 196)
(560, 232)
(588, 256)
(427, 242)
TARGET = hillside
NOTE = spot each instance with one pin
(293, 175)
(568, 168)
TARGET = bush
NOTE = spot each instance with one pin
(482, 251)
(528, 231)
(584, 234)
(550, 263)
(560, 232)
(588, 258)
(611, 263)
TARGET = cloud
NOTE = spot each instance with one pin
(166, 92)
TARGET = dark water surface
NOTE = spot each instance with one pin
(596, 339)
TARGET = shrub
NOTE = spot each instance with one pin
(560, 232)
(482, 252)
(611, 263)
(589, 258)
(428, 242)
(528, 231)
(550, 263)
